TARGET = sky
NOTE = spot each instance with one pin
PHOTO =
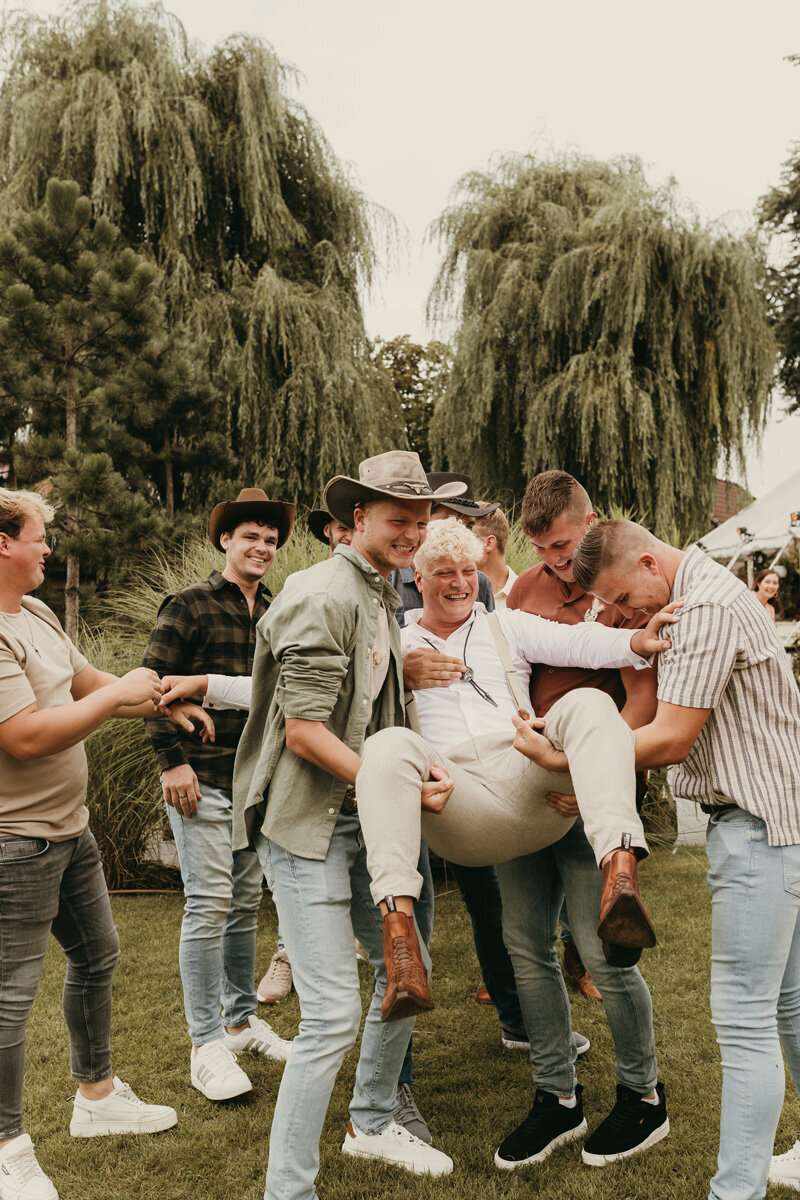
(413, 95)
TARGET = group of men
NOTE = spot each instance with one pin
(395, 698)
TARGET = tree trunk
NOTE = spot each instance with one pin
(169, 481)
(72, 591)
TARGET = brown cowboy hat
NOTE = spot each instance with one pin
(395, 475)
(318, 518)
(252, 504)
(466, 504)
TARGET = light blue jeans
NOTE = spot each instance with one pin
(218, 933)
(533, 889)
(320, 906)
(755, 992)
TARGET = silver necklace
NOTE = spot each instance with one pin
(30, 632)
(468, 675)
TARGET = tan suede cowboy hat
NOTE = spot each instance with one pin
(395, 475)
(466, 504)
(252, 504)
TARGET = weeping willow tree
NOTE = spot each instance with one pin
(205, 163)
(603, 330)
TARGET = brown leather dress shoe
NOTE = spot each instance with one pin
(573, 965)
(483, 996)
(407, 991)
(624, 922)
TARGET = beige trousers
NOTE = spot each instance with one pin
(498, 808)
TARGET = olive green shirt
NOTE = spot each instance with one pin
(312, 662)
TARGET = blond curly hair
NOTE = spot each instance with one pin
(451, 540)
(16, 507)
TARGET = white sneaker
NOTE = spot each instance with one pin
(121, 1112)
(261, 1038)
(21, 1177)
(215, 1072)
(785, 1168)
(396, 1145)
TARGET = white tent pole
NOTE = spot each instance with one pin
(781, 552)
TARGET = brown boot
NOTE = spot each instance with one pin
(573, 965)
(407, 991)
(624, 922)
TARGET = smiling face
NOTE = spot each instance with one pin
(638, 588)
(249, 550)
(388, 533)
(768, 587)
(338, 534)
(24, 556)
(556, 545)
(449, 591)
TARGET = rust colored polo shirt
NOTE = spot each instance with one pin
(538, 590)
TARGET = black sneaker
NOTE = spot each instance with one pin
(632, 1125)
(546, 1126)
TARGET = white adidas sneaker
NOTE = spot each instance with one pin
(261, 1038)
(396, 1145)
(785, 1168)
(21, 1177)
(121, 1112)
(216, 1073)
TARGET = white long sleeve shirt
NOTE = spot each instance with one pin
(449, 716)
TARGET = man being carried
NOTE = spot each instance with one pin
(728, 714)
(210, 626)
(498, 808)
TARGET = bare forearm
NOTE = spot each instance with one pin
(55, 729)
(656, 746)
(316, 744)
(638, 711)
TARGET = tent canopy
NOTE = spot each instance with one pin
(768, 522)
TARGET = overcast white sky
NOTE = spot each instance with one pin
(414, 93)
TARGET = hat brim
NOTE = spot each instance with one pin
(470, 508)
(317, 520)
(226, 516)
(342, 495)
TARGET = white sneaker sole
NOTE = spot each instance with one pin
(793, 1183)
(269, 999)
(79, 1128)
(415, 1168)
(570, 1135)
(602, 1160)
(229, 1093)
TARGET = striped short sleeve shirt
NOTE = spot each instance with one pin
(726, 656)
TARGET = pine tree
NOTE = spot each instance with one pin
(602, 330)
(75, 308)
(419, 375)
(206, 164)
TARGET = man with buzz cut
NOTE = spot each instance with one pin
(729, 715)
(210, 626)
(556, 512)
(327, 672)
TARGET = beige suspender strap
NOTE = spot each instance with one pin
(512, 678)
(412, 718)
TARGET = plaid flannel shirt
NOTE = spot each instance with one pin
(203, 629)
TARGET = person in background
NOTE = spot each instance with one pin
(210, 626)
(767, 585)
(491, 526)
(51, 877)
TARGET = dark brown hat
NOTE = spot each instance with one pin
(466, 504)
(252, 504)
(395, 475)
(318, 518)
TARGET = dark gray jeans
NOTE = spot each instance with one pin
(59, 887)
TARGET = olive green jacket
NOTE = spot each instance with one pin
(312, 657)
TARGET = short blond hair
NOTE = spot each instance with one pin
(17, 507)
(451, 540)
(494, 524)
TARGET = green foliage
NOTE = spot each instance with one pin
(603, 330)
(209, 167)
(780, 214)
(419, 374)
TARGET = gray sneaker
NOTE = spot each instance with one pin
(408, 1115)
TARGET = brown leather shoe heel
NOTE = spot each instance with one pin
(623, 917)
(407, 991)
(573, 966)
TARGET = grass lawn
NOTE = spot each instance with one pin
(471, 1091)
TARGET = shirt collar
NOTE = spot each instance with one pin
(218, 581)
(414, 615)
(373, 578)
(570, 591)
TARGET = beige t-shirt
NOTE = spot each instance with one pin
(43, 797)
